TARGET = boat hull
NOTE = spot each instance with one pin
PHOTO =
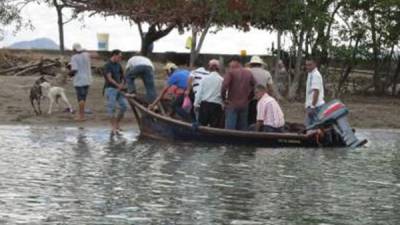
(157, 126)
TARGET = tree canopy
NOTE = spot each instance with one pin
(343, 30)
(9, 14)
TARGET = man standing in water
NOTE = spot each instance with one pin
(314, 92)
(114, 85)
(82, 77)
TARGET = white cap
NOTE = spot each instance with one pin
(77, 47)
(256, 60)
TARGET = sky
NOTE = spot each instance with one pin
(126, 37)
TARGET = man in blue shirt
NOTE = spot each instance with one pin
(114, 85)
(177, 78)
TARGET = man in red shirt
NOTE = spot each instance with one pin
(237, 90)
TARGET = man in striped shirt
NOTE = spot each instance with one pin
(270, 117)
(195, 78)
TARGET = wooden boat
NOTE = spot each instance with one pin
(158, 126)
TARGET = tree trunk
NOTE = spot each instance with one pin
(153, 34)
(196, 46)
(290, 71)
(350, 64)
(388, 79)
(298, 73)
(376, 52)
(278, 54)
(193, 48)
(396, 77)
(60, 23)
(324, 38)
(146, 47)
(307, 44)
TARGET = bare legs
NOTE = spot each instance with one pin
(116, 123)
(81, 116)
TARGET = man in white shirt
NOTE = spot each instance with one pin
(82, 77)
(140, 66)
(195, 78)
(208, 96)
(314, 92)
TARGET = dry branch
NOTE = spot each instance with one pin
(32, 68)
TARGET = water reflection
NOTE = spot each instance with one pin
(84, 176)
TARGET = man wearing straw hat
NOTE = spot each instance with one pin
(82, 73)
(260, 74)
(262, 77)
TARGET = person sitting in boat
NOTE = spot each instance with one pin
(177, 78)
(270, 117)
(263, 77)
(208, 101)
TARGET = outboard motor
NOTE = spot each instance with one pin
(334, 114)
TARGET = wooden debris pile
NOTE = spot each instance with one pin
(11, 65)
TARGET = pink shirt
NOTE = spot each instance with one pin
(269, 111)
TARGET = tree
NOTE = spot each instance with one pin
(296, 18)
(219, 14)
(161, 16)
(59, 5)
(9, 14)
(197, 45)
(351, 32)
(154, 33)
(381, 19)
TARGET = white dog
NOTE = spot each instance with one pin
(54, 93)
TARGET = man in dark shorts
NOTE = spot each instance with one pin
(114, 85)
(82, 77)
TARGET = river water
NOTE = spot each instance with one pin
(62, 175)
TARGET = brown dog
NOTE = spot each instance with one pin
(36, 95)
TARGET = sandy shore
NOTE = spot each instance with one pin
(15, 108)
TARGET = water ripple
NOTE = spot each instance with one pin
(61, 175)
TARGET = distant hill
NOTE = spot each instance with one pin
(41, 43)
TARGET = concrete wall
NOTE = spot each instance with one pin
(184, 58)
(175, 57)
